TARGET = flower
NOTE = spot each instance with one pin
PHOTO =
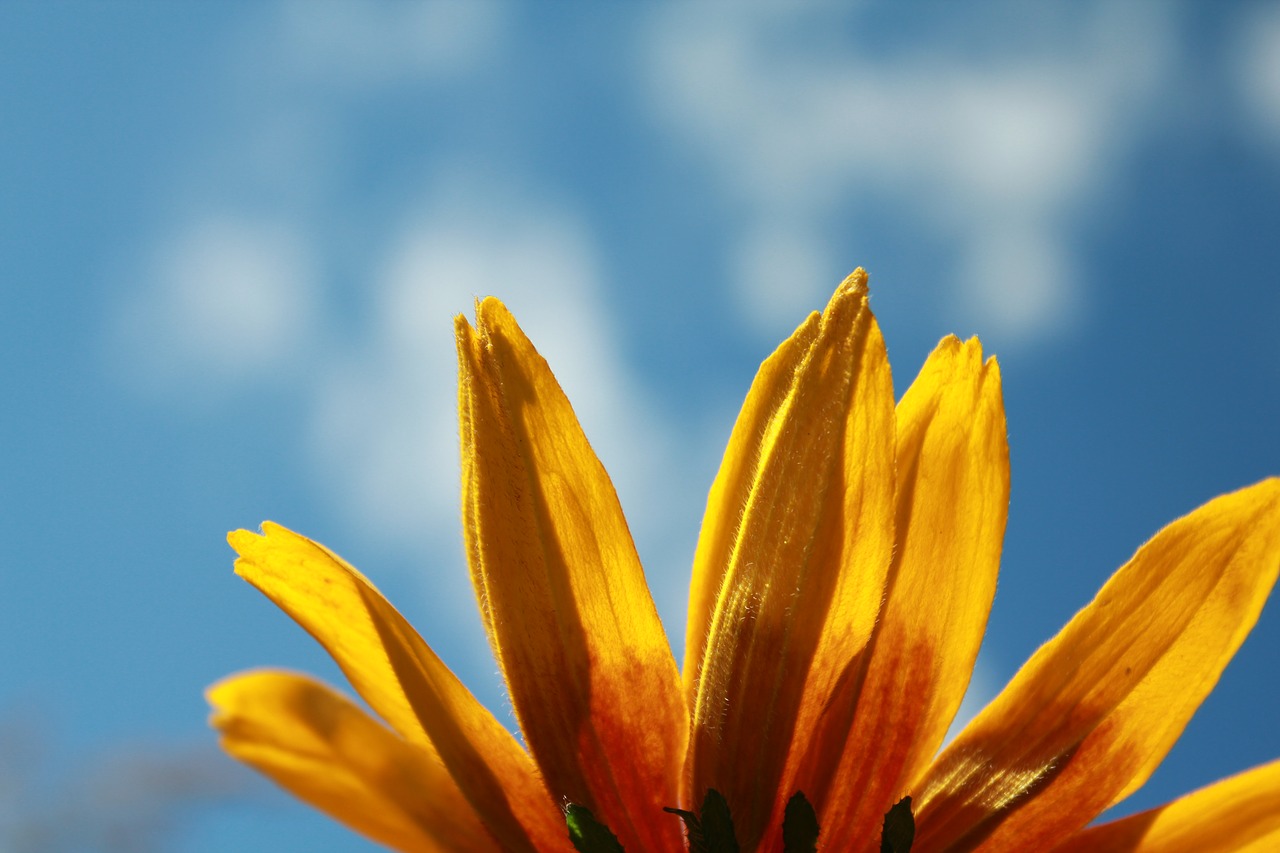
(841, 586)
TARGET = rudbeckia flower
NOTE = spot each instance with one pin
(841, 585)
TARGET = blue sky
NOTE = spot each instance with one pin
(233, 237)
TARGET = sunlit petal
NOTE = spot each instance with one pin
(808, 480)
(403, 681)
(1095, 710)
(326, 751)
(587, 663)
(1240, 814)
(952, 502)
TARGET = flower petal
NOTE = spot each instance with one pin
(587, 664)
(952, 503)
(798, 539)
(1237, 814)
(326, 751)
(732, 487)
(403, 681)
(1094, 711)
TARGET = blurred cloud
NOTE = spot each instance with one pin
(776, 268)
(993, 152)
(362, 43)
(227, 301)
(1259, 68)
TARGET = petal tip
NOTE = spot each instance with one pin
(220, 696)
(491, 311)
(242, 541)
(854, 282)
(849, 300)
(949, 345)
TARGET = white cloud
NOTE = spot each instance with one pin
(781, 273)
(1016, 278)
(376, 43)
(968, 147)
(1258, 53)
(228, 301)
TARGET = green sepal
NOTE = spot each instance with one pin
(692, 829)
(799, 826)
(899, 828)
(713, 831)
(588, 834)
(717, 826)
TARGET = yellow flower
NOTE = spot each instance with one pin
(841, 586)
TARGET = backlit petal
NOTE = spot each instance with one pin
(799, 537)
(1095, 710)
(952, 503)
(326, 751)
(1240, 815)
(587, 664)
(403, 681)
(731, 489)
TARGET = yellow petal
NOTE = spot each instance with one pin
(731, 488)
(800, 532)
(326, 751)
(588, 667)
(952, 503)
(403, 681)
(1095, 710)
(1240, 815)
